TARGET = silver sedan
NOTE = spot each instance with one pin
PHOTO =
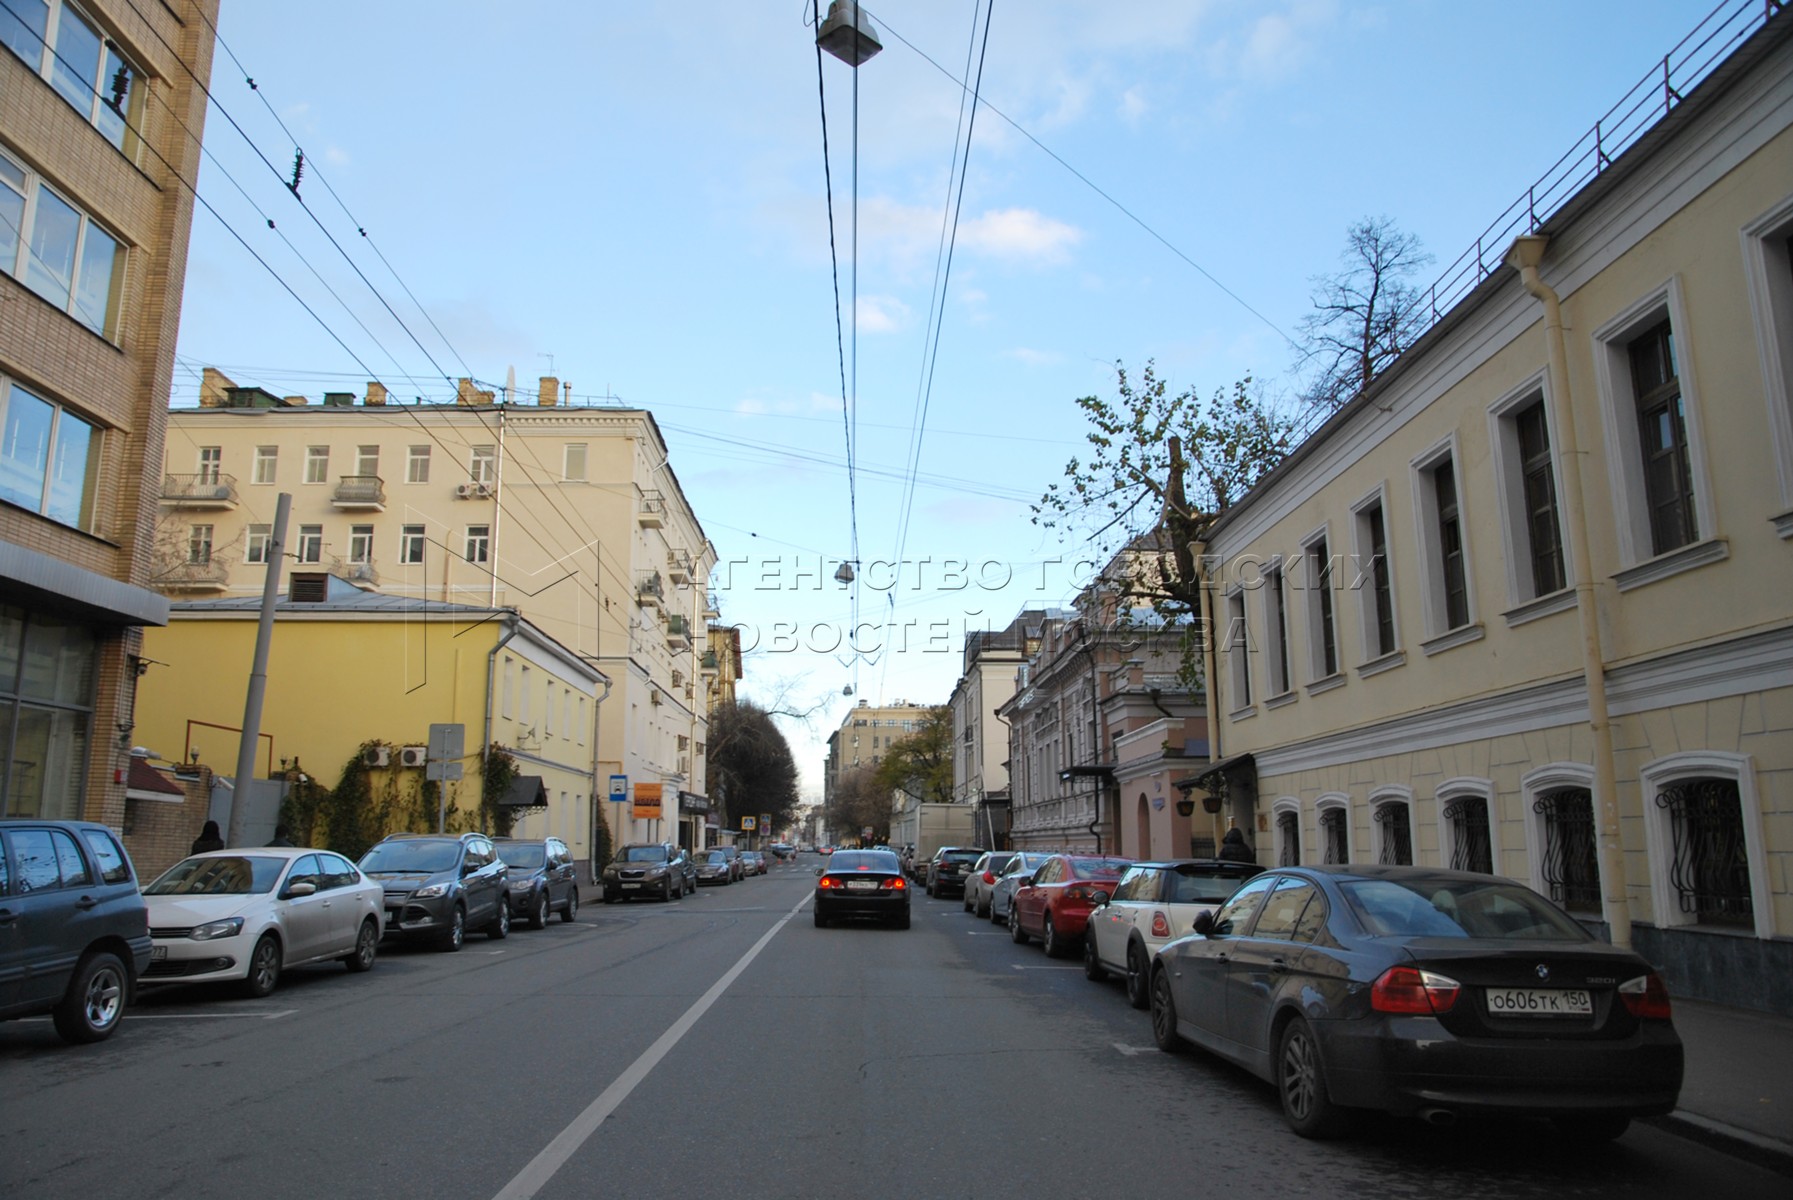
(1019, 870)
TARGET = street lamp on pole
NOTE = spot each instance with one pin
(847, 33)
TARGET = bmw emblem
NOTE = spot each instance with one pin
(1543, 971)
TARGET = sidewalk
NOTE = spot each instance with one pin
(1738, 1090)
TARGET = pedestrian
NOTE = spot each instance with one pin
(282, 836)
(1234, 849)
(209, 839)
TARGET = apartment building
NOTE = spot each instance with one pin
(101, 109)
(980, 739)
(865, 733)
(1523, 606)
(570, 516)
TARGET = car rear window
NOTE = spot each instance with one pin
(1202, 889)
(962, 856)
(1458, 909)
(219, 875)
(1098, 868)
(863, 860)
(114, 866)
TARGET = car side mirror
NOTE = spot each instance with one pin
(818, 870)
(1098, 898)
(1204, 922)
(300, 888)
(468, 868)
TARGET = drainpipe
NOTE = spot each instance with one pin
(497, 507)
(1525, 255)
(1211, 675)
(512, 626)
(597, 757)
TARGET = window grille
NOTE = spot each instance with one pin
(1570, 869)
(1709, 870)
(1397, 834)
(1471, 847)
(1288, 825)
(1332, 836)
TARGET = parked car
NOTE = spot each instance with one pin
(948, 868)
(1152, 904)
(74, 931)
(753, 862)
(542, 878)
(1002, 892)
(1423, 992)
(862, 883)
(737, 866)
(246, 916)
(1055, 904)
(645, 869)
(438, 886)
(982, 877)
(712, 868)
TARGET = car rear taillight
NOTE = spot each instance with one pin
(897, 883)
(1645, 997)
(827, 882)
(989, 878)
(1160, 925)
(1411, 990)
(1081, 894)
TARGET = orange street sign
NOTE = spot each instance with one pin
(647, 801)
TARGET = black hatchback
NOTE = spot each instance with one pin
(862, 883)
(1420, 992)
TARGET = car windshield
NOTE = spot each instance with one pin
(715, 860)
(1454, 908)
(862, 860)
(235, 875)
(1099, 868)
(648, 854)
(427, 856)
(1188, 887)
(524, 856)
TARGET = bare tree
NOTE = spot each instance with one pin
(1364, 316)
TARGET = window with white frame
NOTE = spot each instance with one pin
(417, 464)
(547, 708)
(256, 541)
(1446, 554)
(1375, 580)
(524, 696)
(367, 461)
(317, 464)
(482, 466)
(1466, 827)
(58, 251)
(311, 543)
(1333, 819)
(579, 725)
(361, 543)
(1703, 827)
(573, 462)
(479, 543)
(411, 542)
(1238, 650)
(1276, 628)
(508, 686)
(211, 463)
(1321, 581)
(1768, 263)
(566, 711)
(1288, 831)
(49, 458)
(81, 62)
(1525, 463)
(1391, 816)
(267, 459)
(199, 545)
(1662, 439)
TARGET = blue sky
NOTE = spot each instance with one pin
(637, 190)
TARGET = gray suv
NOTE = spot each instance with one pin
(438, 886)
(74, 931)
(649, 869)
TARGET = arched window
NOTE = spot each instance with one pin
(1393, 812)
(1466, 825)
(1335, 828)
(1288, 831)
(1704, 829)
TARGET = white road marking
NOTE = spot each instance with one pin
(1019, 967)
(209, 1016)
(566, 1143)
(985, 933)
(1130, 1051)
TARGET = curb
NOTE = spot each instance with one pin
(1770, 1152)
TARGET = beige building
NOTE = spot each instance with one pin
(95, 210)
(572, 516)
(980, 739)
(1525, 605)
(865, 733)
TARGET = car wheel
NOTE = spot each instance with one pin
(1092, 963)
(264, 968)
(666, 892)
(95, 1001)
(1015, 933)
(456, 935)
(983, 906)
(538, 914)
(1137, 995)
(965, 903)
(572, 909)
(1050, 942)
(1164, 1014)
(367, 947)
(821, 921)
(996, 918)
(500, 928)
(1301, 1082)
(930, 891)
(1591, 1128)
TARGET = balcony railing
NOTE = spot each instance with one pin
(650, 513)
(649, 590)
(208, 576)
(359, 491)
(678, 631)
(362, 571)
(205, 490)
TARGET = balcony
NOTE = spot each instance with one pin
(359, 492)
(712, 607)
(200, 491)
(678, 566)
(209, 576)
(650, 512)
(708, 661)
(650, 592)
(678, 632)
(363, 572)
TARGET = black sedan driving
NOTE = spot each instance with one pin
(862, 883)
(1420, 992)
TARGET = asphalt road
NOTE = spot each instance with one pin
(723, 1046)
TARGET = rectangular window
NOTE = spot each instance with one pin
(361, 543)
(1276, 622)
(367, 461)
(548, 708)
(410, 544)
(1544, 543)
(1322, 629)
(524, 697)
(1238, 650)
(56, 250)
(1439, 521)
(211, 459)
(1662, 440)
(317, 464)
(199, 544)
(579, 725)
(256, 542)
(1378, 597)
(479, 543)
(49, 459)
(573, 463)
(81, 64)
(483, 466)
(508, 688)
(267, 458)
(417, 465)
(311, 543)
(1450, 545)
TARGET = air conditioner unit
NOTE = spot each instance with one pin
(376, 756)
(414, 756)
(483, 489)
(463, 491)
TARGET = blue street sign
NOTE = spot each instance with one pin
(619, 788)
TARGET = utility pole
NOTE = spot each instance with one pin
(258, 674)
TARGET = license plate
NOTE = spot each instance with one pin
(1540, 1002)
(862, 885)
(158, 953)
(631, 885)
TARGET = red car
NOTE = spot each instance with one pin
(1056, 905)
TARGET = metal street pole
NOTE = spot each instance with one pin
(258, 674)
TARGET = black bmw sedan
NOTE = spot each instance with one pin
(862, 883)
(1420, 992)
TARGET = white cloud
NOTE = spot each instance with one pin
(882, 314)
(1019, 233)
(1134, 105)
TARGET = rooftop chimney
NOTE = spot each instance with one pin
(466, 393)
(548, 392)
(376, 394)
(213, 386)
